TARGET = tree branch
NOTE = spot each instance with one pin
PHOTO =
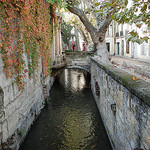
(90, 28)
(105, 24)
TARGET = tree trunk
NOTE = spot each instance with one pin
(97, 35)
(77, 40)
(102, 51)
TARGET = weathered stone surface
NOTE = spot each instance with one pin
(18, 109)
(147, 73)
(5, 131)
(139, 88)
(124, 107)
(143, 70)
(139, 69)
(78, 59)
(127, 64)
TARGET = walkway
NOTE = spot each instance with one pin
(137, 67)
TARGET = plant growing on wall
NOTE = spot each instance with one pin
(26, 29)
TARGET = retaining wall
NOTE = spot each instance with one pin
(19, 109)
(124, 105)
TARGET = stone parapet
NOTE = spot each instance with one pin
(78, 59)
(139, 87)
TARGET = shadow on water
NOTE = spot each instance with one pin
(71, 121)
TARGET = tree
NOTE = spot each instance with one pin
(106, 11)
(66, 32)
(76, 23)
(97, 35)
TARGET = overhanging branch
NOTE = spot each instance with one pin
(105, 24)
(91, 29)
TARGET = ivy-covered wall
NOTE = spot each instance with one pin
(26, 36)
(26, 28)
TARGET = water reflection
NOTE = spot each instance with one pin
(74, 80)
(71, 121)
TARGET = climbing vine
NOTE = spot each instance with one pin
(26, 32)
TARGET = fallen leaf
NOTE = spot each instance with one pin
(93, 146)
(134, 78)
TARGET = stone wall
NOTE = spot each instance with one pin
(78, 59)
(19, 109)
(124, 106)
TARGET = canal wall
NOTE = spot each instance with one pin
(124, 105)
(19, 109)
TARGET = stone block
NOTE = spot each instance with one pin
(0, 127)
(10, 109)
(127, 64)
(139, 69)
(147, 139)
(5, 134)
(13, 121)
(133, 144)
(147, 73)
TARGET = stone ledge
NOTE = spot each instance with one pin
(139, 88)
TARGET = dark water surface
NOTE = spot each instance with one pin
(71, 121)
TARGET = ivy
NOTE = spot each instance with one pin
(26, 28)
(138, 14)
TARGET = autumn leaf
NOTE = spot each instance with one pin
(93, 146)
(134, 78)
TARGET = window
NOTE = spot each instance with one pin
(118, 48)
(108, 46)
(127, 47)
(122, 50)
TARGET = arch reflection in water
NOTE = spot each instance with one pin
(71, 121)
(74, 80)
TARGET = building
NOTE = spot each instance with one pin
(118, 45)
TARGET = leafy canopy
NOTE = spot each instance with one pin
(66, 32)
(135, 12)
(132, 12)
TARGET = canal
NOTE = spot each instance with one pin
(71, 119)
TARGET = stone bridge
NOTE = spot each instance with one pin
(78, 59)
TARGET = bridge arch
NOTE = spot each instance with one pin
(87, 69)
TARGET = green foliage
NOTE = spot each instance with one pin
(66, 32)
(134, 37)
(138, 13)
(26, 28)
(57, 2)
(21, 132)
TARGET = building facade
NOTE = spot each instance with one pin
(118, 45)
